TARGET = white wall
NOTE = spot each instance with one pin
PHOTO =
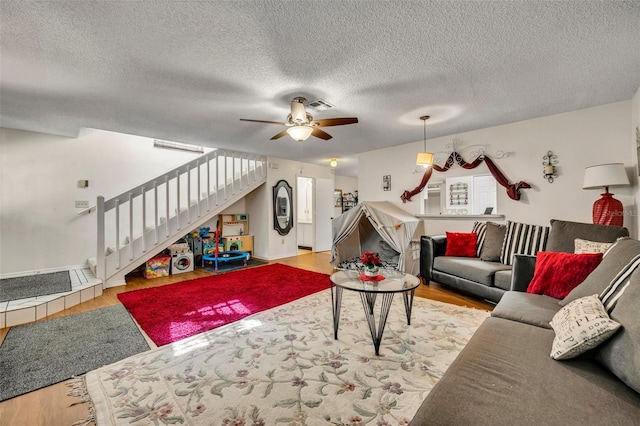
(635, 156)
(39, 225)
(579, 139)
(347, 184)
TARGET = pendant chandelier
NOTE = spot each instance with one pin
(425, 159)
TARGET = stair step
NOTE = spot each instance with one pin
(84, 287)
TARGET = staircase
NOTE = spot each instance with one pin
(139, 223)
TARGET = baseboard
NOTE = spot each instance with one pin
(41, 271)
(269, 258)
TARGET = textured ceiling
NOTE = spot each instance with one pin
(188, 71)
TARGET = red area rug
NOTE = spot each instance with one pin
(176, 311)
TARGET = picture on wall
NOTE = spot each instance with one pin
(337, 197)
(386, 182)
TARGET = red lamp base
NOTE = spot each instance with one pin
(608, 211)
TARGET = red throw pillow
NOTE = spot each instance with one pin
(461, 244)
(556, 274)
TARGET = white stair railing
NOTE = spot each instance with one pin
(174, 206)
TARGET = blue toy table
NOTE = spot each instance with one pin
(225, 256)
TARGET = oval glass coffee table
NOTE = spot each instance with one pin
(391, 282)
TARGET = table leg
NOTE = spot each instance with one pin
(336, 302)
(376, 334)
(408, 303)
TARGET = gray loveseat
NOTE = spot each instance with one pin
(490, 279)
(506, 376)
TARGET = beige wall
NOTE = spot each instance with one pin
(579, 139)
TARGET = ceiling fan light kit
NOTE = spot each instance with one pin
(300, 133)
(424, 159)
(302, 125)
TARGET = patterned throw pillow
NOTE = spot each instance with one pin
(586, 246)
(521, 238)
(461, 244)
(581, 325)
(480, 228)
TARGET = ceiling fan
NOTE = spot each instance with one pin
(301, 124)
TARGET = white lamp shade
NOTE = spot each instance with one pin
(604, 175)
(300, 133)
(424, 159)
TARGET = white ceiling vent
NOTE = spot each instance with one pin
(320, 105)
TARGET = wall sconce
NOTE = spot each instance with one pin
(333, 163)
(549, 163)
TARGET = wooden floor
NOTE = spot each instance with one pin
(50, 406)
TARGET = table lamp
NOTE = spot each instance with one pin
(607, 210)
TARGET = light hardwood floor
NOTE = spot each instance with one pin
(51, 406)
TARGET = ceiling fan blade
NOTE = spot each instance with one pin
(264, 121)
(324, 122)
(279, 135)
(320, 134)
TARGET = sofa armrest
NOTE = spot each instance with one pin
(431, 246)
(523, 268)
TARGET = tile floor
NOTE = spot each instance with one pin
(84, 286)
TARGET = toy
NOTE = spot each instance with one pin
(204, 232)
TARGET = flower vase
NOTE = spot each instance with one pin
(371, 272)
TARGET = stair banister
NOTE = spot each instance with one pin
(143, 246)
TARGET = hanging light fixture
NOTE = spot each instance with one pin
(425, 159)
(300, 133)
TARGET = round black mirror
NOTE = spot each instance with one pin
(282, 207)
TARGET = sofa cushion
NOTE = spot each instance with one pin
(533, 309)
(581, 246)
(461, 244)
(621, 354)
(470, 268)
(563, 234)
(504, 376)
(581, 325)
(502, 279)
(492, 245)
(557, 273)
(521, 238)
(619, 255)
(480, 228)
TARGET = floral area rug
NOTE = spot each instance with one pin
(283, 367)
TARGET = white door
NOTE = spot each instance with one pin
(484, 194)
(323, 213)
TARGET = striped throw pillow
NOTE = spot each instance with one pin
(480, 228)
(521, 238)
(620, 282)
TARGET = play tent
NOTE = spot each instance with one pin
(380, 227)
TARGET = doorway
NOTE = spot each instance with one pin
(305, 223)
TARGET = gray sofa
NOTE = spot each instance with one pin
(506, 376)
(491, 279)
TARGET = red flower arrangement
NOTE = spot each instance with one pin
(370, 260)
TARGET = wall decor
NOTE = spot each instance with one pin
(549, 163)
(386, 182)
(282, 207)
(337, 197)
(454, 158)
